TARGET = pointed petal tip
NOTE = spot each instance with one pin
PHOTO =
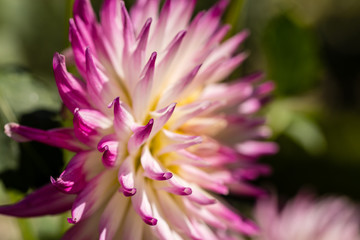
(153, 57)
(150, 221)
(71, 220)
(167, 175)
(151, 122)
(113, 102)
(58, 59)
(128, 192)
(160, 177)
(187, 191)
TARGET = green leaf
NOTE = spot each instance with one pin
(291, 55)
(21, 93)
(307, 134)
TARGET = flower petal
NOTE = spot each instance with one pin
(152, 167)
(126, 177)
(141, 134)
(89, 124)
(174, 91)
(72, 90)
(175, 141)
(141, 202)
(82, 167)
(111, 149)
(61, 137)
(143, 90)
(256, 149)
(94, 195)
(44, 201)
(161, 117)
(123, 120)
(113, 215)
(101, 89)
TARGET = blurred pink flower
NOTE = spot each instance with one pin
(305, 218)
(155, 133)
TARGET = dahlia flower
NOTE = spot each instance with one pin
(305, 218)
(156, 135)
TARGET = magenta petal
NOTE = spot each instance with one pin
(88, 124)
(141, 134)
(44, 201)
(161, 117)
(128, 28)
(61, 137)
(175, 186)
(109, 146)
(85, 20)
(126, 177)
(78, 47)
(73, 178)
(96, 192)
(72, 90)
(256, 149)
(232, 219)
(142, 10)
(139, 53)
(99, 86)
(141, 203)
(143, 89)
(165, 64)
(83, 9)
(123, 120)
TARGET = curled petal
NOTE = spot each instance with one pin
(175, 186)
(110, 147)
(126, 177)
(141, 203)
(141, 134)
(88, 124)
(152, 168)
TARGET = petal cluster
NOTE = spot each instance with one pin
(305, 218)
(155, 132)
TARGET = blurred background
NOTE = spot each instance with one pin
(310, 49)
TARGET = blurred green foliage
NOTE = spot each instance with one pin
(310, 49)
